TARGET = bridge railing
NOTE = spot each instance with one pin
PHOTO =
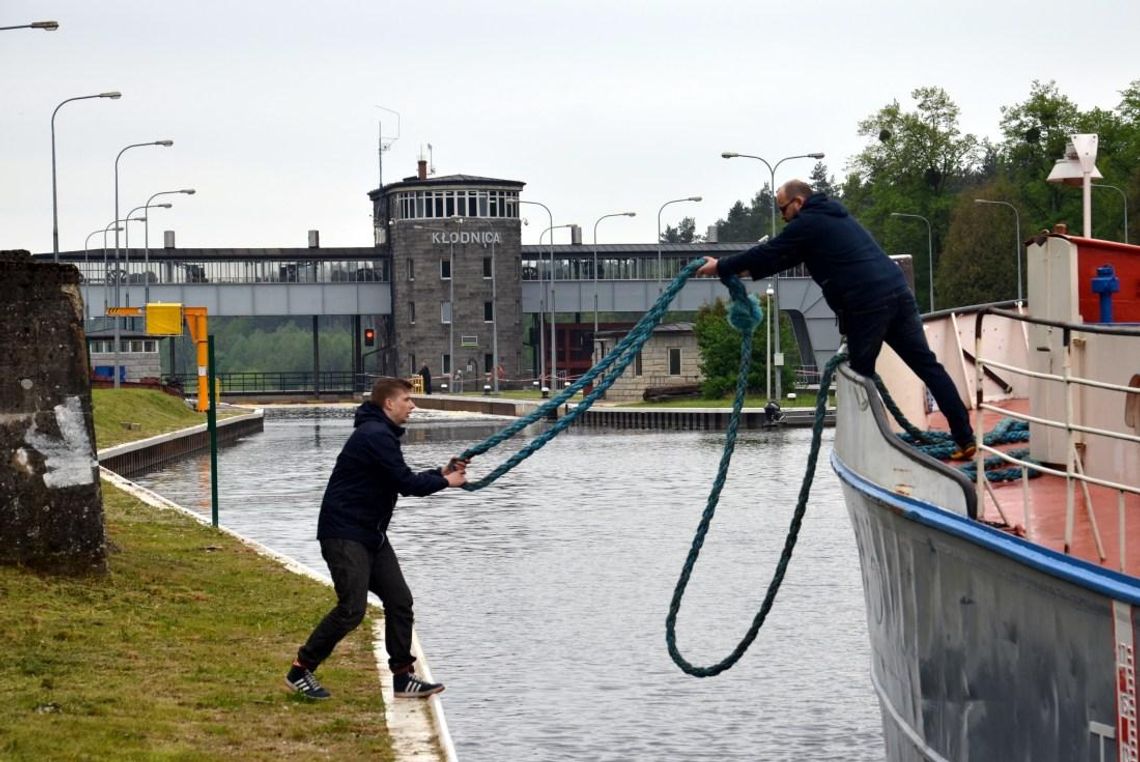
(258, 382)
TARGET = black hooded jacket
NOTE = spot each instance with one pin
(839, 253)
(369, 474)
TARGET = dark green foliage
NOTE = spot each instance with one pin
(271, 344)
(719, 344)
(685, 232)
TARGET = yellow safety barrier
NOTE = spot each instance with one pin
(417, 384)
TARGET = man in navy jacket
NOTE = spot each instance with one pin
(369, 474)
(861, 284)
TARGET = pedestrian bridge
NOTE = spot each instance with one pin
(356, 281)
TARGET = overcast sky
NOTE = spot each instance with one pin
(598, 107)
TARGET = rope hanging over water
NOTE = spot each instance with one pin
(710, 510)
(744, 313)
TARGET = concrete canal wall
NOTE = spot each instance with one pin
(603, 417)
(134, 457)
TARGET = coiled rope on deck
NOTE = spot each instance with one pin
(940, 445)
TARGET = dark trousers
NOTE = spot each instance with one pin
(895, 320)
(355, 570)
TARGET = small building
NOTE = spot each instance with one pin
(670, 358)
(138, 355)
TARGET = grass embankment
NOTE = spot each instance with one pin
(179, 651)
(117, 411)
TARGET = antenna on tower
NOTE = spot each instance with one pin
(383, 143)
(431, 163)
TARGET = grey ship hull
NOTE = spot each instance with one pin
(984, 646)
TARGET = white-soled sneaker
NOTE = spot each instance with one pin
(407, 685)
(305, 682)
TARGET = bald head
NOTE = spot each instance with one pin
(796, 189)
(791, 197)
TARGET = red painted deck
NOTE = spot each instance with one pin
(1044, 521)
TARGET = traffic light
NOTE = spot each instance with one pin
(369, 337)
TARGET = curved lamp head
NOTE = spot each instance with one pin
(114, 94)
(188, 191)
(47, 26)
(817, 155)
(630, 214)
(166, 143)
(694, 198)
(729, 155)
(164, 205)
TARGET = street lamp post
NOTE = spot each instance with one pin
(767, 334)
(87, 268)
(552, 334)
(674, 201)
(603, 217)
(553, 339)
(127, 242)
(165, 143)
(47, 26)
(146, 237)
(54, 203)
(929, 251)
(119, 225)
(775, 278)
(1123, 196)
(1017, 231)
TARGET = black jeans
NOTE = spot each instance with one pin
(895, 320)
(355, 570)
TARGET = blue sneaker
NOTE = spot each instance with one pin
(407, 685)
(305, 682)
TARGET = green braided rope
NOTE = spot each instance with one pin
(940, 445)
(922, 437)
(710, 510)
(744, 310)
(999, 470)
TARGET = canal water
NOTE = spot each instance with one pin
(541, 600)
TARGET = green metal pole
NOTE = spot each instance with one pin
(212, 426)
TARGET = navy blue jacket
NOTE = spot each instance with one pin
(839, 253)
(369, 474)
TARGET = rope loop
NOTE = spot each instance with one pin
(607, 371)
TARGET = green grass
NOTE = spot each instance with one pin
(179, 651)
(154, 412)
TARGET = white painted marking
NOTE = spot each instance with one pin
(1127, 743)
(911, 733)
(69, 460)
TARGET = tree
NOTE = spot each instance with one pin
(978, 263)
(745, 224)
(915, 163)
(1035, 133)
(821, 182)
(685, 232)
(719, 345)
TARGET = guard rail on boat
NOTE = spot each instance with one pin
(1074, 471)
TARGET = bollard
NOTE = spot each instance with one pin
(486, 390)
(1106, 284)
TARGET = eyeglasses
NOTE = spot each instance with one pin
(783, 207)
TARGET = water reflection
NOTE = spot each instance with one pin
(542, 598)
